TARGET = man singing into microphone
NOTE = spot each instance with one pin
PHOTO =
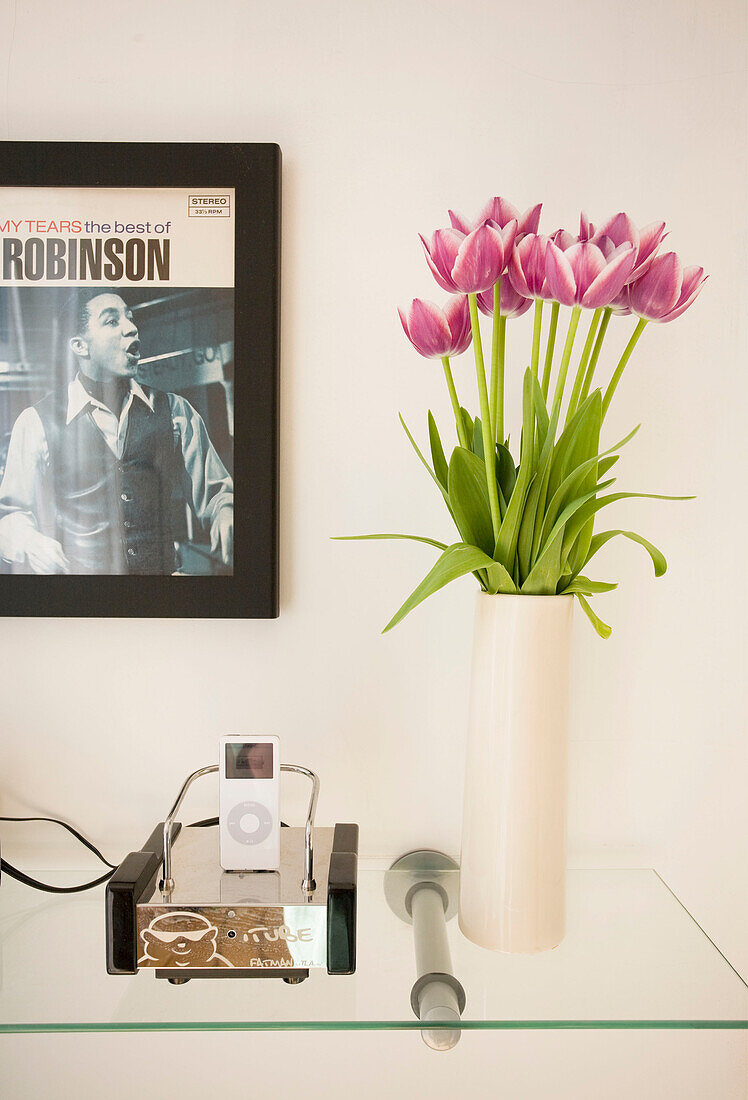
(94, 471)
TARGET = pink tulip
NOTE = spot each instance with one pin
(441, 255)
(435, 332)
(470, 263)
(502, 212)
(586, 228)
(666, 290)
(527, 267)
(511, 304)
(584, 276)
(620, 304)
(564, 239)
(619, 229)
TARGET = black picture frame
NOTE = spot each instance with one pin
(254, 172)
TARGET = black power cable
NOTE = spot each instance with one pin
(14, 873)
(20, 876)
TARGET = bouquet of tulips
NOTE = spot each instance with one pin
(526, 527)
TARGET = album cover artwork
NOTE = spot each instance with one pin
(138, 386)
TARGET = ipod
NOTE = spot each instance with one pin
(249, 803)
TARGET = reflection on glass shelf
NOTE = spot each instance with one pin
(632, 958)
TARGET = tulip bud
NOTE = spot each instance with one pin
(483, 256)
(584, 276)
(511, 303)
(527, 267)
(434, 332)
(441, 255)
(469, 264)
(500, 211)
(620, 229)
(666, 290)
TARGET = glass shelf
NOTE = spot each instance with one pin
(633, 957)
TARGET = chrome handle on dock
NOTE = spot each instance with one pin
(167, 882)
(308, 883)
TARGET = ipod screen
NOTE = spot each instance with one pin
(247, 760)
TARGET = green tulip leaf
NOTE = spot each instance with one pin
(542, 580)
(456, 561)
(577, 556)
(545, 573)
(586, 587)
(477, 432)
(442, 488)
(413, 538)
(529, 516)
(530, 528)
(467, 424)
(585, 449)
(567, 441)
(506, 543)
(416, 448)
(579, 443)
(605, 464)
(506, 471)
(479, 576)
(576, 482)
(437, 453)
(584, 514)
(541, 413)
(468, 495)
(602, 628)
(658, 558)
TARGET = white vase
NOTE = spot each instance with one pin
(513, 864)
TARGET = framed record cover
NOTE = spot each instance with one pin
(139, 348)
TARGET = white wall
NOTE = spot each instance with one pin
(387, 114)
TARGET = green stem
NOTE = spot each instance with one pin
(622, 363)
(558, 395)
(582, 368)
(495, 353)
(595, 354)
(489, 450)
(455, 403)
(499, 426)
(549, 350)
(536, 335)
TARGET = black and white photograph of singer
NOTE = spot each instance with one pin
(106, 474)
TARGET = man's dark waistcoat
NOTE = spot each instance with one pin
(113, 515)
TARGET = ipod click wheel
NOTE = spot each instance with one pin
(249, 803)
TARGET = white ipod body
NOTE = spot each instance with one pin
(249, 803)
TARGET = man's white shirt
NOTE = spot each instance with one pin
(207, 483)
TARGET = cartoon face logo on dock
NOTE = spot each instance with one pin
(181, 939)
